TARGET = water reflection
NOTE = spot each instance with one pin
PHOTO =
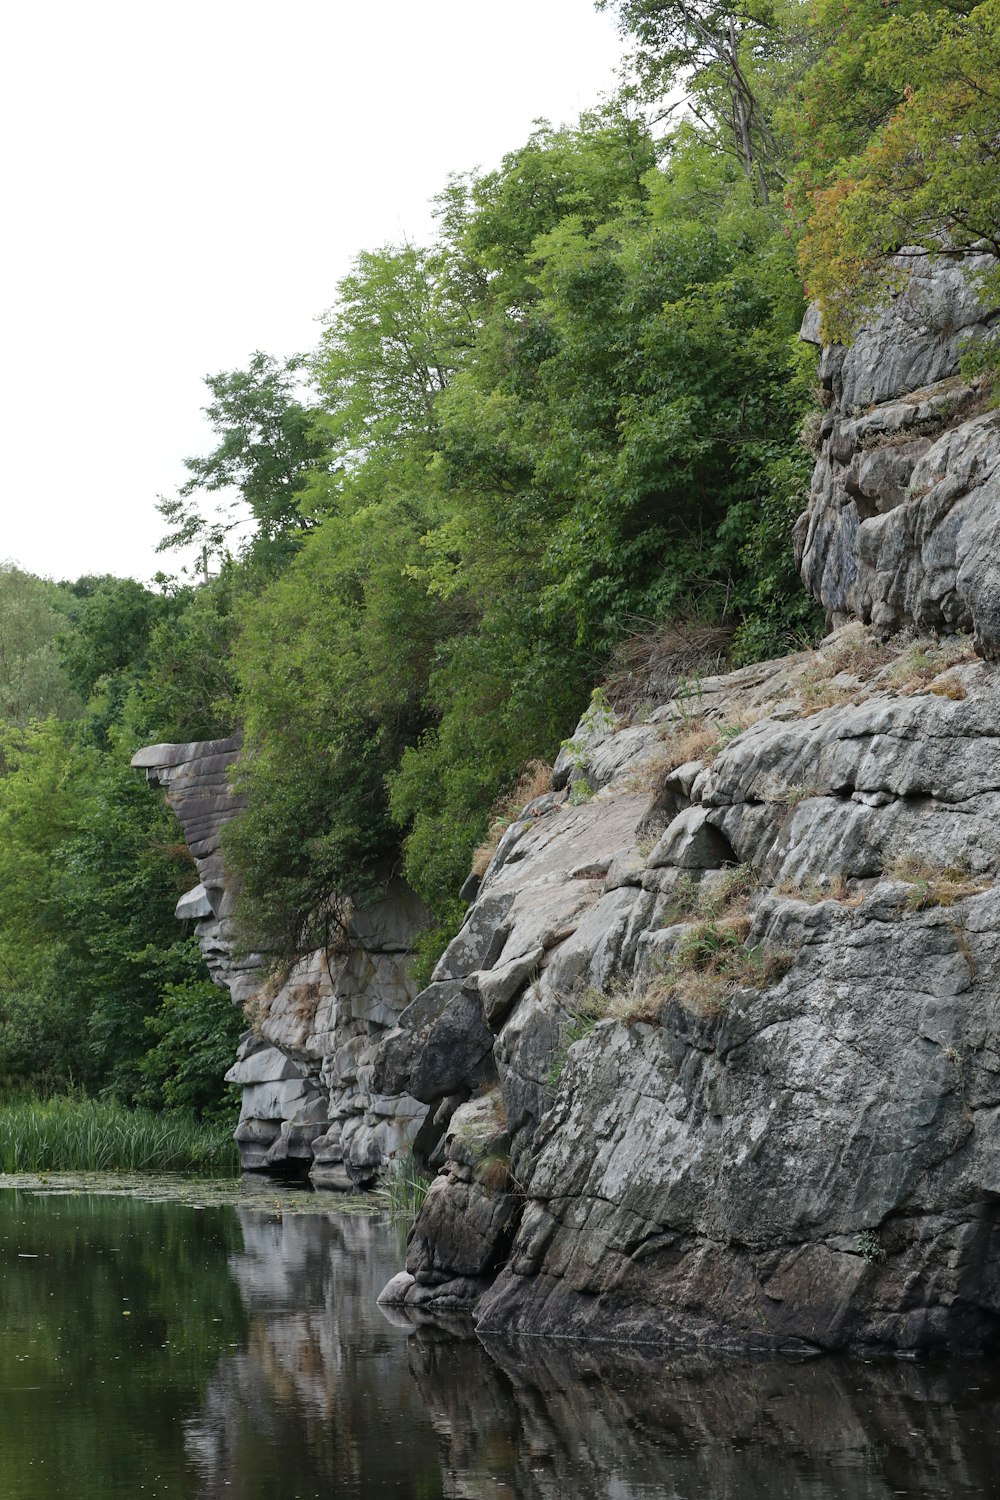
(584, 1420)
(154, 1349)
(319, 1395)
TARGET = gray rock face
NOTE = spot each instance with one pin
(751, 1079)
(306, 1064)
(906, 493)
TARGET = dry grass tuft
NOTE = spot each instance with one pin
(648, 666)
(949, 687)
(920, 669)
(811, 431)
(534, 780)
(838, 889)
(494, 1173)
(815, 699)
(791, 796)
(856, 651)
(687, 739)
(711, 962)
(728, 896)
(935, 885)
(256, 1011)
(858, 654)
(684, 740)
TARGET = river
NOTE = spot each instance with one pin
(236, 1350)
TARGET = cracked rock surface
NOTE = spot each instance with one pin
(745, 997)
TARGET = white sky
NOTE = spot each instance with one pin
(183, 184)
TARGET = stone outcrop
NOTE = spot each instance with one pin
(740, 968)
(902, 515)
(305, 1064)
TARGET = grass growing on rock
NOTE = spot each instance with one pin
(708, 964)
(494, 1173)
(935, 885)
(592, 1006)
(857, 652)
(923, 669)
(70, 1134)
(812, 892)
(728, 895)
(683, 740)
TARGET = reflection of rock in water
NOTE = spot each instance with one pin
(301, 1399)
(328, 1397)
(554, 1421)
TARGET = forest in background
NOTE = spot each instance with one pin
(579, 418)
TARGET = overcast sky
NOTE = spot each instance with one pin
(184, 184)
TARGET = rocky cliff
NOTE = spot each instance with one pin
(717, 1050)
(715, 1057)
(305, 1064)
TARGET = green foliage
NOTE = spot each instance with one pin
(719, 54)
(197, 1029)
(74, 1134)
(33, 683)
(333, 660)
(572, 413)
(187, 687)
(90, 872)
(113, 621)
(403, 1188)
(388, 348)
(923, 170)
(431, 943)
(268, 443)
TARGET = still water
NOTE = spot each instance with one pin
(151, 1348)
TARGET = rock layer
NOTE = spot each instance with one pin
(305, 1064)
(900, 525)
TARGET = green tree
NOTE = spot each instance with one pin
(928, 176)
(33, 683)
(195, 1029)
(713, 52)
(390, 345)
(268, 444)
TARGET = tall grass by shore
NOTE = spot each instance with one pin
(73, 1134)
(403, 1188)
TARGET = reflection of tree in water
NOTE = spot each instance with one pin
(310, 1398)
(327, 1397)
(112, 1313)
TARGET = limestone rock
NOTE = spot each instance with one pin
(312, 1047)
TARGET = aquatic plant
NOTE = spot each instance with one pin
(403, 1188)
(68, 1133)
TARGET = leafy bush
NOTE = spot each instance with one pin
(197, 1029)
